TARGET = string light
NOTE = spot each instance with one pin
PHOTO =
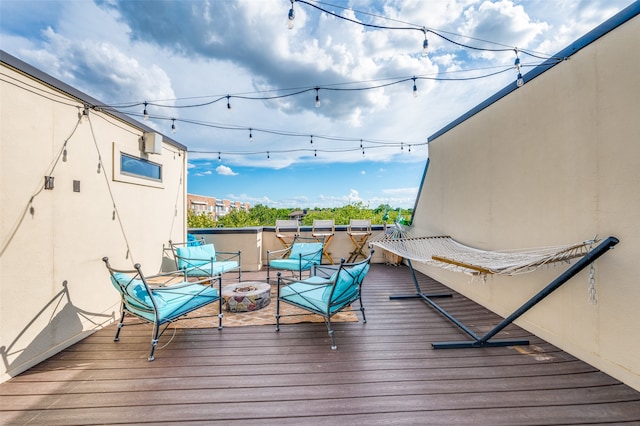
(99, 167)
(516, 63)
(64, 155)
(268, 157)
(311, 140)
(291, 17)
(173, 125)
(415, 88)
(228, 102)
(250, 135)
(407, 26)
(317, 98)
(145, 114)
(219, 157)
(425, 43)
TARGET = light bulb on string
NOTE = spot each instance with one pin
(311, 142)
(145, 114)
(409, 148)
(250, 135)
(415, 88)
(516, 64)
(173, 125)
(99, 167)
(401, 146)
(291, 17)
(315, 153)
(228, 102)
(85, 113)
(425, 43)
(64, 154)
(268, 156)
(317, 98)
(219, 158)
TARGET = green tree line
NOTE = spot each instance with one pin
(261, 215)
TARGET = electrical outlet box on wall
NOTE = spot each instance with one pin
(152, 143)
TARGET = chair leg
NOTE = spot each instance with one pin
(154, 341)
(364, 318)
(331, 335)
(277, 314)
(220, 301)
(120, 325)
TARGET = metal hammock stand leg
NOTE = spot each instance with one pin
(485, 341)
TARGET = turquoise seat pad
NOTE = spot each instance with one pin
(172, 302)
(214, 268)
(293, 264)
(310, 296)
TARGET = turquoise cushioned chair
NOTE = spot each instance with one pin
(199, 259)
(164, 303)
(329, 290)
(302, 255)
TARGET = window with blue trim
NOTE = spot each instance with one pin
(139, 167)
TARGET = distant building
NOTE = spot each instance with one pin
(216, 208)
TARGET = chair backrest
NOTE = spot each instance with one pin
(134, 290)
(348, 280)
(287, 226)
(309, 252)
(359, 225)
(190, 256)
(323, 226)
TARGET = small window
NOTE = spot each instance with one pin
(133, 166)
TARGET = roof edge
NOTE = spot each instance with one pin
(49, 80)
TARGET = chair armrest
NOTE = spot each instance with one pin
(277, 254)
(170, 276)
(204, 282)
(227, 255)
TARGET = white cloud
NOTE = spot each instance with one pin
(225, 171)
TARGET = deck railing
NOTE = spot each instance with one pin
(254, 242)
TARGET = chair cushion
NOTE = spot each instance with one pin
(135, 292)
(190, 256)
(180, 301)
(309, 251)
(212, 269)
(347, 284)
(290, 264)
(305, 295)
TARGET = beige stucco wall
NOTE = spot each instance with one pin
(54, 288)
(556, 161)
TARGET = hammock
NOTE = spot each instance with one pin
(447, 253)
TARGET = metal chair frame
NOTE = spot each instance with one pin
(323, 278)
(137, 304)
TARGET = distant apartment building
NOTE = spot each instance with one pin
(211, 205)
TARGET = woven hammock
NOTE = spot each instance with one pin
(447, 253)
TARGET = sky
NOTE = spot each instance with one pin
(366, 142)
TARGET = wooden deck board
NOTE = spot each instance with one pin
(384, 371)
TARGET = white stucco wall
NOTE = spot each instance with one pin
(556, 161)
(54, 287)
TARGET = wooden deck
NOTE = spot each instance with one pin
(384, 371)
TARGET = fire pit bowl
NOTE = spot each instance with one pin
(246, 296)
